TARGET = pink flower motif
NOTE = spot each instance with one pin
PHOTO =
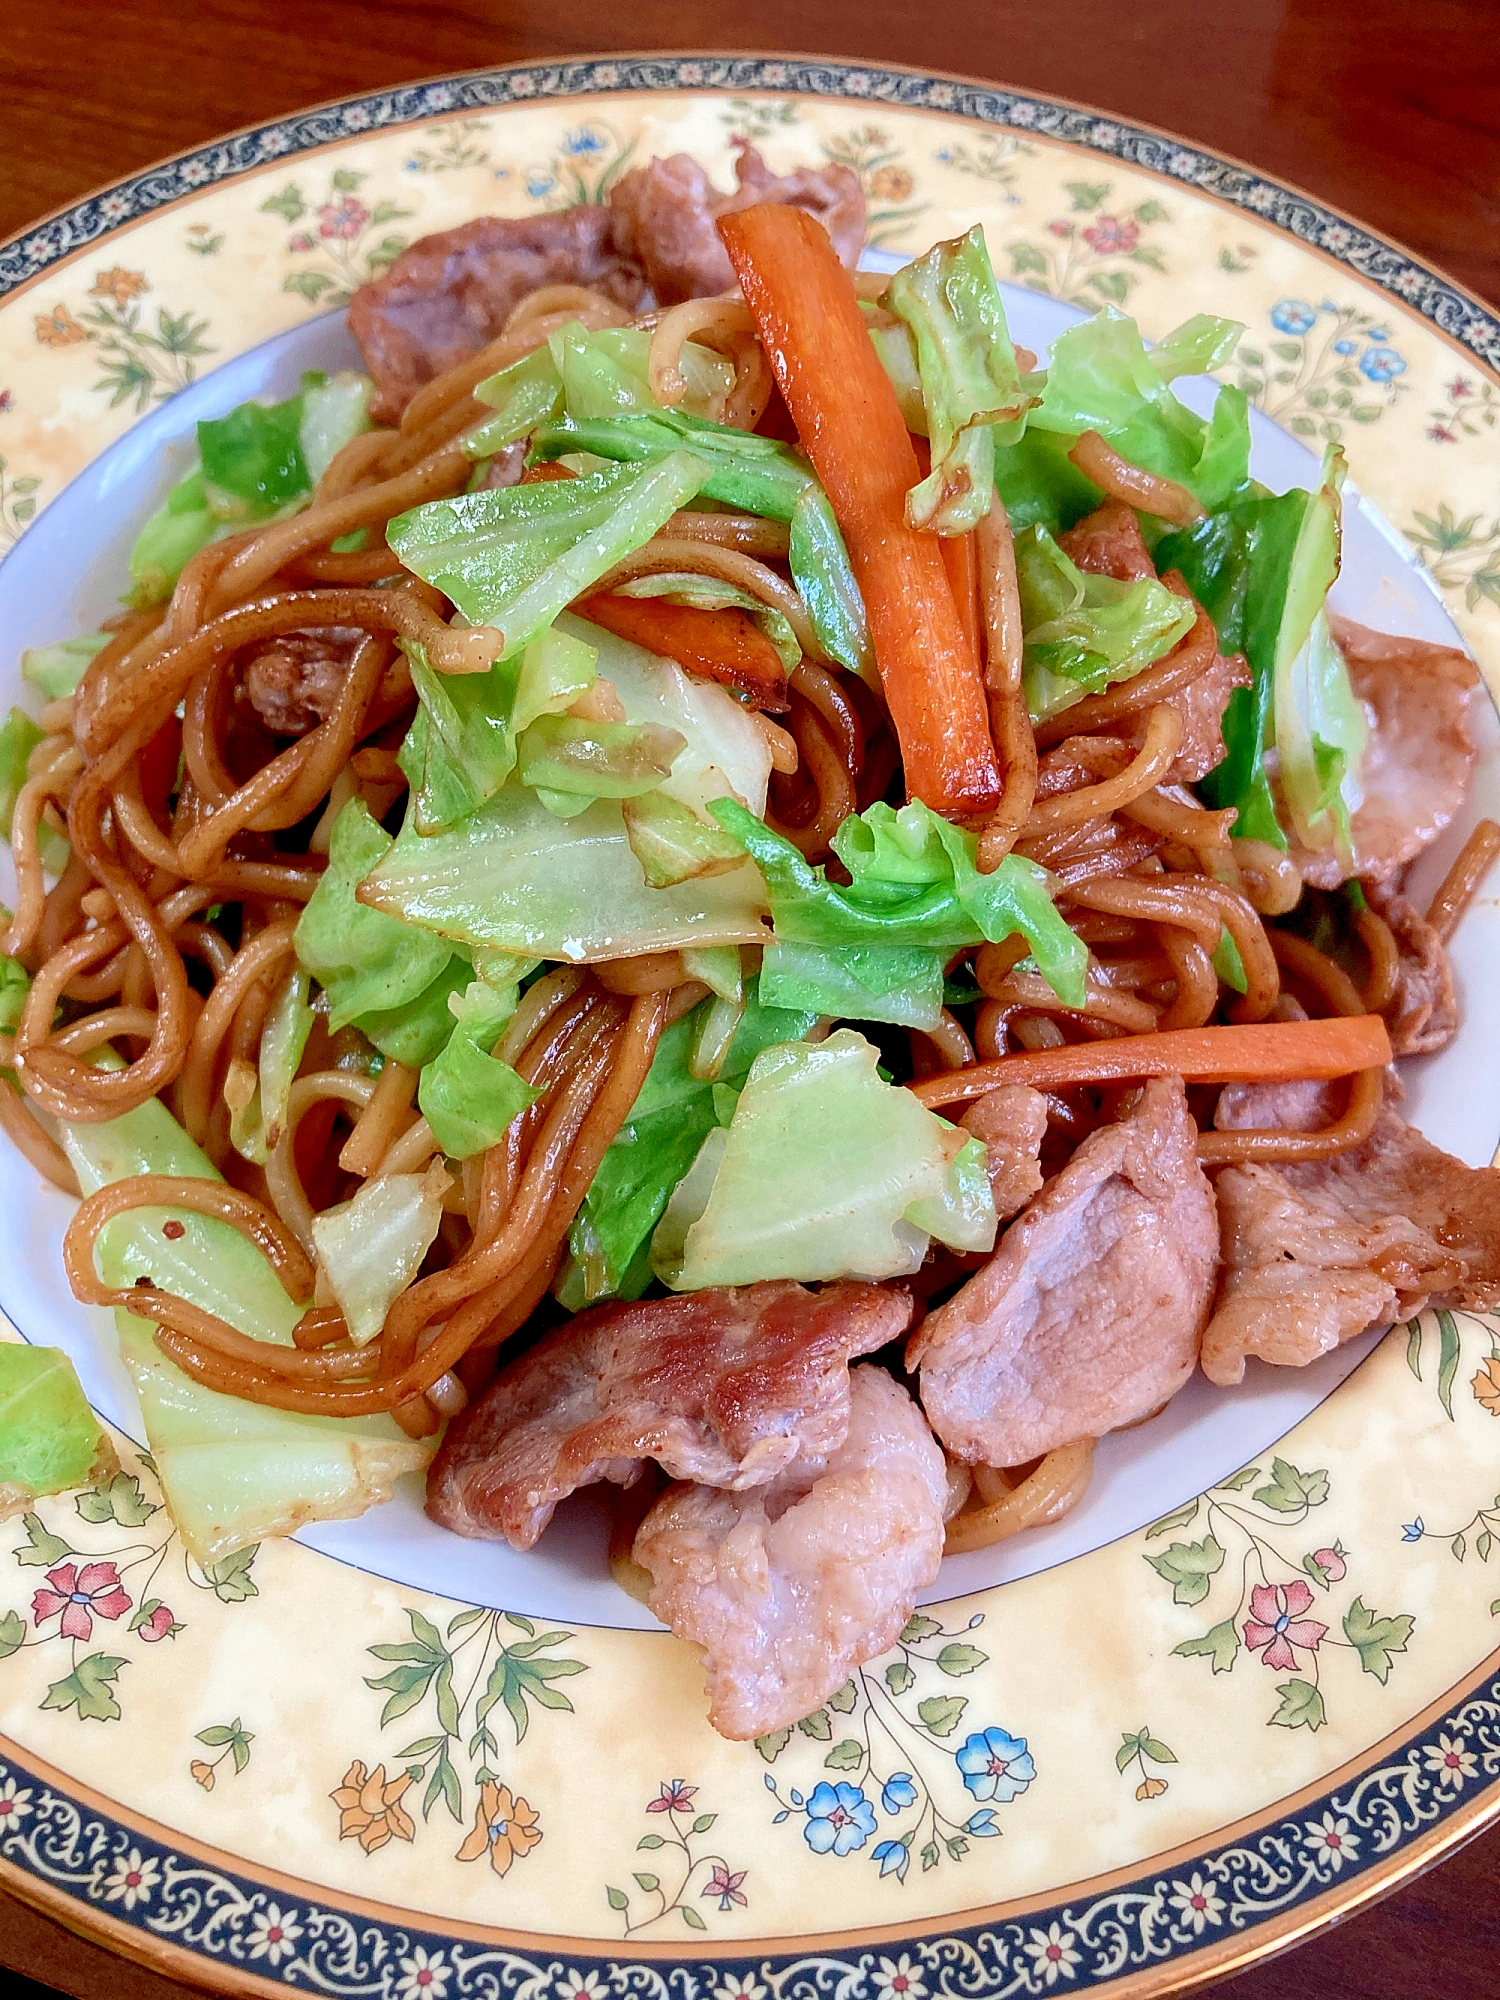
(7, 399)
(157, 1626)
(1331, 1563)
(1442, 434)
(674, 1797)
(1110, 237)
(343, 219)
(1460, 387)
(80, 1594)
(725, 1886)
(1060, 228)
(301, 241)
(1276, 1622)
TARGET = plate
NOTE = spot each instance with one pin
(327, 1763)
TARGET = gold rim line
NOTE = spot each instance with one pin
(1089, 1888)
(1422, 263)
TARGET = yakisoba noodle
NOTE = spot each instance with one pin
(167, 878)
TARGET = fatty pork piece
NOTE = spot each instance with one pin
(727, 1386)
(1314, 1254)
(451, 293)
(1418, 699)
(1089, 1314)
(670, 207)
(294, 682)
(790, 1587)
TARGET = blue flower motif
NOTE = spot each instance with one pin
(839, 1817)
(1413, 1530)
(898, 1792)
(1293, 316)
(894, 1857)
(1379, 333)
(1381, 364)
(995, 1765)
(982, 1825)
(584, 140)
(1345, 346)
(538, 185)
(943, 156)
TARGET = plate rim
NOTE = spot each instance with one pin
(77, 227)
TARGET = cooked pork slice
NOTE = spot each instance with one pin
(1294, 1105)
(669, 209)
(1012, 1122)
(727, 1387)
(1201, 704)
(1109, 542)
(791, 1586)
(1314, 1254)
(451, 293)
(1418, 699)
(1089, 1313)
(295, 681)
(1423, 1017)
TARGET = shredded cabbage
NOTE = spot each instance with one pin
(1085, 632)
(369, 1249)
(50, 1439)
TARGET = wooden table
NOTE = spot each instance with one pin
(1387, 110)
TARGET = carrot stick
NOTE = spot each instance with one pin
(850, 424)
(725, 645)
(1266, 1052)
(962, 565)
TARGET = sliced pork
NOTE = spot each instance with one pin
(669, 209)
(1089, 1314)
(728, 1387)
(451, 293)
(1314, 1254)
(1108, 542)
(789, 1587)
(1419, 701)
(1012, 1123)
(295, 681)
(1423, 1015)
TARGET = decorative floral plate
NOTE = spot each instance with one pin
(1128, 1754)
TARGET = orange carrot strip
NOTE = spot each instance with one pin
(724, 645)
(850, 424)
(1265, 1052)
(962, 565)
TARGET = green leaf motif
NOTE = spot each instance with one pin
(1129, 1745)
(1448, 1350)
(692, 1919)
(230, 1579)
(649, 1840)
(845, 1756)
(1301, 1707)
(957, 1659)
(89, 1688)
(817, 1725)
(12, 1633)
(1219, 1645)
(1291, 1491)
(649, 1882)
(1157, 1751)
(119, 1499)
(618, 1900)
(288, 204)
(845, 1698)
(919, 1626)
(1375, 1638)
(1187, 1566)
(941, 1712)
(464, 1620)
(405, 1685)
(772, 1745)
(1087, 195)
(43, 1548)
(1183, 1517)
(899, 1676)
(929, 1856)
(1238, 1479)
(703, 1822)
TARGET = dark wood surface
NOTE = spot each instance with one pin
(1388, 110)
